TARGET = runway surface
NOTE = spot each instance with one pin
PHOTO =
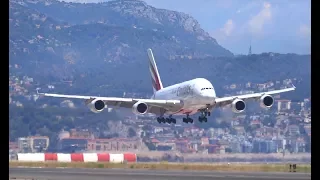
(135, 174)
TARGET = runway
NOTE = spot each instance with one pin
(135, 174)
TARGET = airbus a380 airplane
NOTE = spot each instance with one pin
(186, 98)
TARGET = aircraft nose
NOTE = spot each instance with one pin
(208, 95)
(208, 98)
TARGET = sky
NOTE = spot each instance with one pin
(282, 26)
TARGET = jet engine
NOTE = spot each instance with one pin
(96, 106)
(266, 101)
(238, 106)
(140, 108)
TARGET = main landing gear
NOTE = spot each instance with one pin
(204, 114)
(202, 118)
(168, 120)
(187, 120)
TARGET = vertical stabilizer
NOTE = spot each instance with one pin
(155, 77)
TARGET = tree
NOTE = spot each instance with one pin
(269, 121)
(228, 150)
(233, 131)
(31, 120)
(132, 132)
(146, 128)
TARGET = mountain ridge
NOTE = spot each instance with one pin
(52, 49)
(127, 13)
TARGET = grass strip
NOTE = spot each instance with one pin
(306, 168)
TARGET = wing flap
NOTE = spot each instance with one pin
(227, 100)
(123, 102)
(87, 97)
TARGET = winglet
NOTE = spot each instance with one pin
(38, 91)
(293, 86)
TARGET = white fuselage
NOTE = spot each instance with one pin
(195, 94)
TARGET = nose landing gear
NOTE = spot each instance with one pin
(204, 114)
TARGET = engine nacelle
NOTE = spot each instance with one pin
(266, 101)
(238, 106)
(96, 106)
(140, 108)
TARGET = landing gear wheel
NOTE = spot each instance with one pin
(209, 113)
(187, 120)
(202, 119)
(168, 120)
(184, 120)
(159, 120)
(174, 121)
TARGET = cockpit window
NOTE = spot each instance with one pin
(205, 88)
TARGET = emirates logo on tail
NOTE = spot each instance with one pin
(155, 77)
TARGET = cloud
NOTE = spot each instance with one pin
(304, 30)
(226, 34)
(257, 22)
(245, 7)
(228, 27)
(225, 31)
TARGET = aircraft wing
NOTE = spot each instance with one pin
(228, 100)
(155, 106)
